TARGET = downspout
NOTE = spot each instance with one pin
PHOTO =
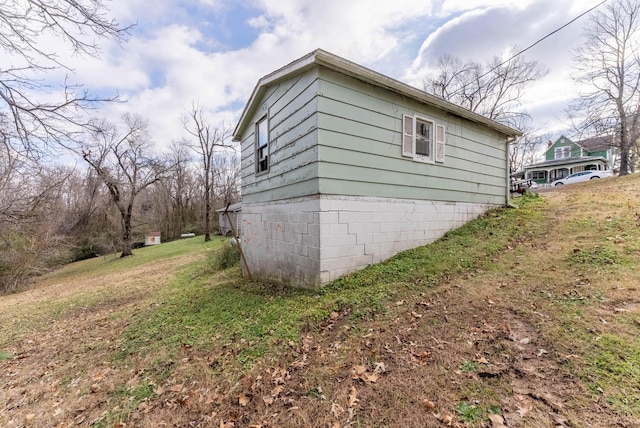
(508, 187)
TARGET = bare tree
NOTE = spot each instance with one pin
(36, 117)
(226, 178)
(607, 66)
(525, 149)
(494, 90)
(174, 203)
(124, 164)
(31, 215)
(208, 140)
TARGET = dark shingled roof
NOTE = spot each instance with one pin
(596, 144)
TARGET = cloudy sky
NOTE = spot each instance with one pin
(212, 52)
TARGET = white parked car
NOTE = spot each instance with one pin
(577, 177)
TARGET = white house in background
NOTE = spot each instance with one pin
(343, 167)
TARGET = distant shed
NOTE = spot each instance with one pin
(152, 238)
(234, 213)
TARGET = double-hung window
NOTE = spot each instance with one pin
(422, 139)
(262, 146)
(562, 152)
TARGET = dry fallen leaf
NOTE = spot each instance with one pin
(336, 410)
(357, 371)
(243, 399)
(429, 405)
(497, 421)
(380, 368)
(277, 390)
(524, 408)
(369, 378)
(176, 388)
(268, 400)
(353, 397)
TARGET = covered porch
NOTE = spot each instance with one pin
(550, 171)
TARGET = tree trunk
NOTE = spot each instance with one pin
(207, 207)
(126, 234)
(624, 144)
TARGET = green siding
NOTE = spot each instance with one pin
(335, 186)
(332, 134)
(360, 148)
(576, 151)
(291, 107)
(602, 153)
(397, 166)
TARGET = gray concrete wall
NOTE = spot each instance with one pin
(307, 242)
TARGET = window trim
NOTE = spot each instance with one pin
(258, 146)
(564, 151)
(417, 156)
(437, 139)
(538, 175)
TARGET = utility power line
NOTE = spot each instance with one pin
(545, 37)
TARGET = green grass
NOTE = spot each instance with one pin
(596, 256)
(113, 263)
(469, 413)
(5, 355)
(258, 318)
(612, 367)
(216, 314)
(43, 312)
(469, 366)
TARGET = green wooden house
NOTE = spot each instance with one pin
(343, 167)
(564, 157)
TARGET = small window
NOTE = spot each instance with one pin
(418, 142)
(424, 130)
(562, 152)
(262, 145)
(538, 175)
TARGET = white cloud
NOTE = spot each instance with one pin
(164, 71)
(174, 57)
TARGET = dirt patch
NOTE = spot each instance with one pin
(63, 374)
(485, 349)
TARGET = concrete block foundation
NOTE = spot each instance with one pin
(306, 242)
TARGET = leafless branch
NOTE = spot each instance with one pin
(495, 93)
(44, 114)
(607, 67)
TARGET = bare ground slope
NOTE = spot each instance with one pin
(520, 344)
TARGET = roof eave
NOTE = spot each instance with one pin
(326, 59)
(296, 66)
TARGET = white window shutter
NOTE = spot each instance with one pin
(408, 131)
(440, 143)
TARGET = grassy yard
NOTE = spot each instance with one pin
(524, 317)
